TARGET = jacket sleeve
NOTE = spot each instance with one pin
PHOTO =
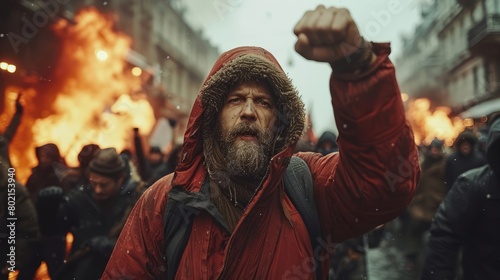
(373, 177)
(449, 229)
(139, 249)
(13, 125)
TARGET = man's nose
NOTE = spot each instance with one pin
(98, 189)
(248, 111)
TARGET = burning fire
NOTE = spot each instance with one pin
(428, 124)
(91, 99)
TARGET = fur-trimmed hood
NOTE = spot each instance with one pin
(231, 69)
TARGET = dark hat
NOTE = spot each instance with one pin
(107, 161)
(436, 143)
(87, 154)
(465, 136)
(155, 150)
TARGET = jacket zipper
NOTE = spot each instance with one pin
(230, 239)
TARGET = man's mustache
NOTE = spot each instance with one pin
(245, 129)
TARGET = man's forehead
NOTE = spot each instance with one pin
(98, 177)
(260, 86)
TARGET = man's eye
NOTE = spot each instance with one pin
(234, 100)
(265, 103)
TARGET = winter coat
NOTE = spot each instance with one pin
(93, 226)
(9, 133)
(430, 192)
(470, 217)
(26, 224)
(457, 163)
(53, 175)
(27, 232)
(355, 192)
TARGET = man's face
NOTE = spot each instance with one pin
(465, 148)
(44, 160)
(103, 188)
(247, 122)
(435, 152)
(155, 158)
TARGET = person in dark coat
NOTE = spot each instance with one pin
(50, 171)
(27, 233)
(78, 176)
(94, 214)
(465, 157)
(10, 131)
(432, 188)
(327, 143)
(168, 166)
(470, 217)
(416, 221)
(150, 165)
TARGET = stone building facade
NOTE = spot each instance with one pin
(454, 54)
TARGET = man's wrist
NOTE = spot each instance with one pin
(357, 61)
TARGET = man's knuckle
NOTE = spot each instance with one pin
(343, 11)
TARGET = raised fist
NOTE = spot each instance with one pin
(19, 106)
(328, 35)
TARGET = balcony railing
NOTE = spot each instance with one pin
(485, 33)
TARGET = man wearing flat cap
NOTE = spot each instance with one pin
(94, 214)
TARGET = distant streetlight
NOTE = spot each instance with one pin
(136, 71)
(101, 55)
(468, 122)
(11, 68)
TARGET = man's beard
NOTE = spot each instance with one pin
(247, 158)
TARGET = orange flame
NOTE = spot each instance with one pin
(428, 123)
(95, 99)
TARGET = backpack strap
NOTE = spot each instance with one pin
(178, 221)
(299, 189)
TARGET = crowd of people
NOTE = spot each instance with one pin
(244, 197)
(91, 201)
(441, 166)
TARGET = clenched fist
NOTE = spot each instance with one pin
(331, 35)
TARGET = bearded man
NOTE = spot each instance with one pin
(238, 150)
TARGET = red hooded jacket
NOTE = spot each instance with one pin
(368, 182)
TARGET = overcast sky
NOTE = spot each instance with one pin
(269, 24)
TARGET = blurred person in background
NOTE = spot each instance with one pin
(469, 218)
(94, 214)
(148, 165)
(465, 157)
(50, 171)
(327, 143)
(27, 233)
(416, 221)
(10, 131)
(168, 166)
(78, 176)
